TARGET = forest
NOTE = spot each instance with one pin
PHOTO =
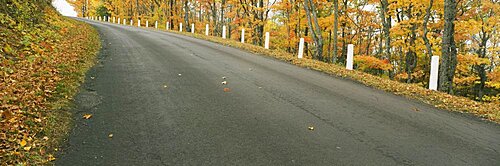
(393, 39)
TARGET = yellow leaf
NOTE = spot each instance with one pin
(23, 143)
(51, 157)
(87, 116)
(27, 148)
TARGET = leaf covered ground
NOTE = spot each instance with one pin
(488, 111)
(43, 60)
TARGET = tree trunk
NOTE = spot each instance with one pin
(186, 16)
(428, 45)
(481, 68)
(335, 30)
(316, 30)
(411, 56)
(386, 24)
(343, 35)
(222, 21)
(449, 52)
(214, 18)
(426, 31)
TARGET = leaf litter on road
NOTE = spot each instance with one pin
(87, 116)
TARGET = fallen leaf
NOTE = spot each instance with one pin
(51, 157)
(180, 74)
(224, 82)
(227, 90)
(165, 86)
(87, 116)
(45, 138)
(310, 128)
(23, 143)
(416, 109)
(110, 135)
(6, 114)
(224, 77)
(27, 148)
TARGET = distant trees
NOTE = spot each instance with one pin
(401, 34)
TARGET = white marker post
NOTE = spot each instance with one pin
(301, 48)
(192, 28)
(131, 22)
(114, 20)
(99, 18)
(206, 30)
(109, 19)
(266, 44)
(180, 27)
(243, 35)
(224, 32)
(138, 23)
(433, 81)
(350, 57)
(119, 20)
(167, 26)
(147, 23)
(156, 24)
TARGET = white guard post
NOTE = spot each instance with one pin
(301, 48)
(243, 35)
(350, 57)
(206, 29)
(433, 81)
(266, 44)
(224, 32)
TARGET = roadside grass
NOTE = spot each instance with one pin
(40, 72)
(486, 111)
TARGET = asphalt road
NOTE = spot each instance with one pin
(158, 117)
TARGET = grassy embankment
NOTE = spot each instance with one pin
(43, 60)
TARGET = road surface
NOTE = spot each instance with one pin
(161, 97)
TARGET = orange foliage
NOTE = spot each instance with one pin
(367, 63)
